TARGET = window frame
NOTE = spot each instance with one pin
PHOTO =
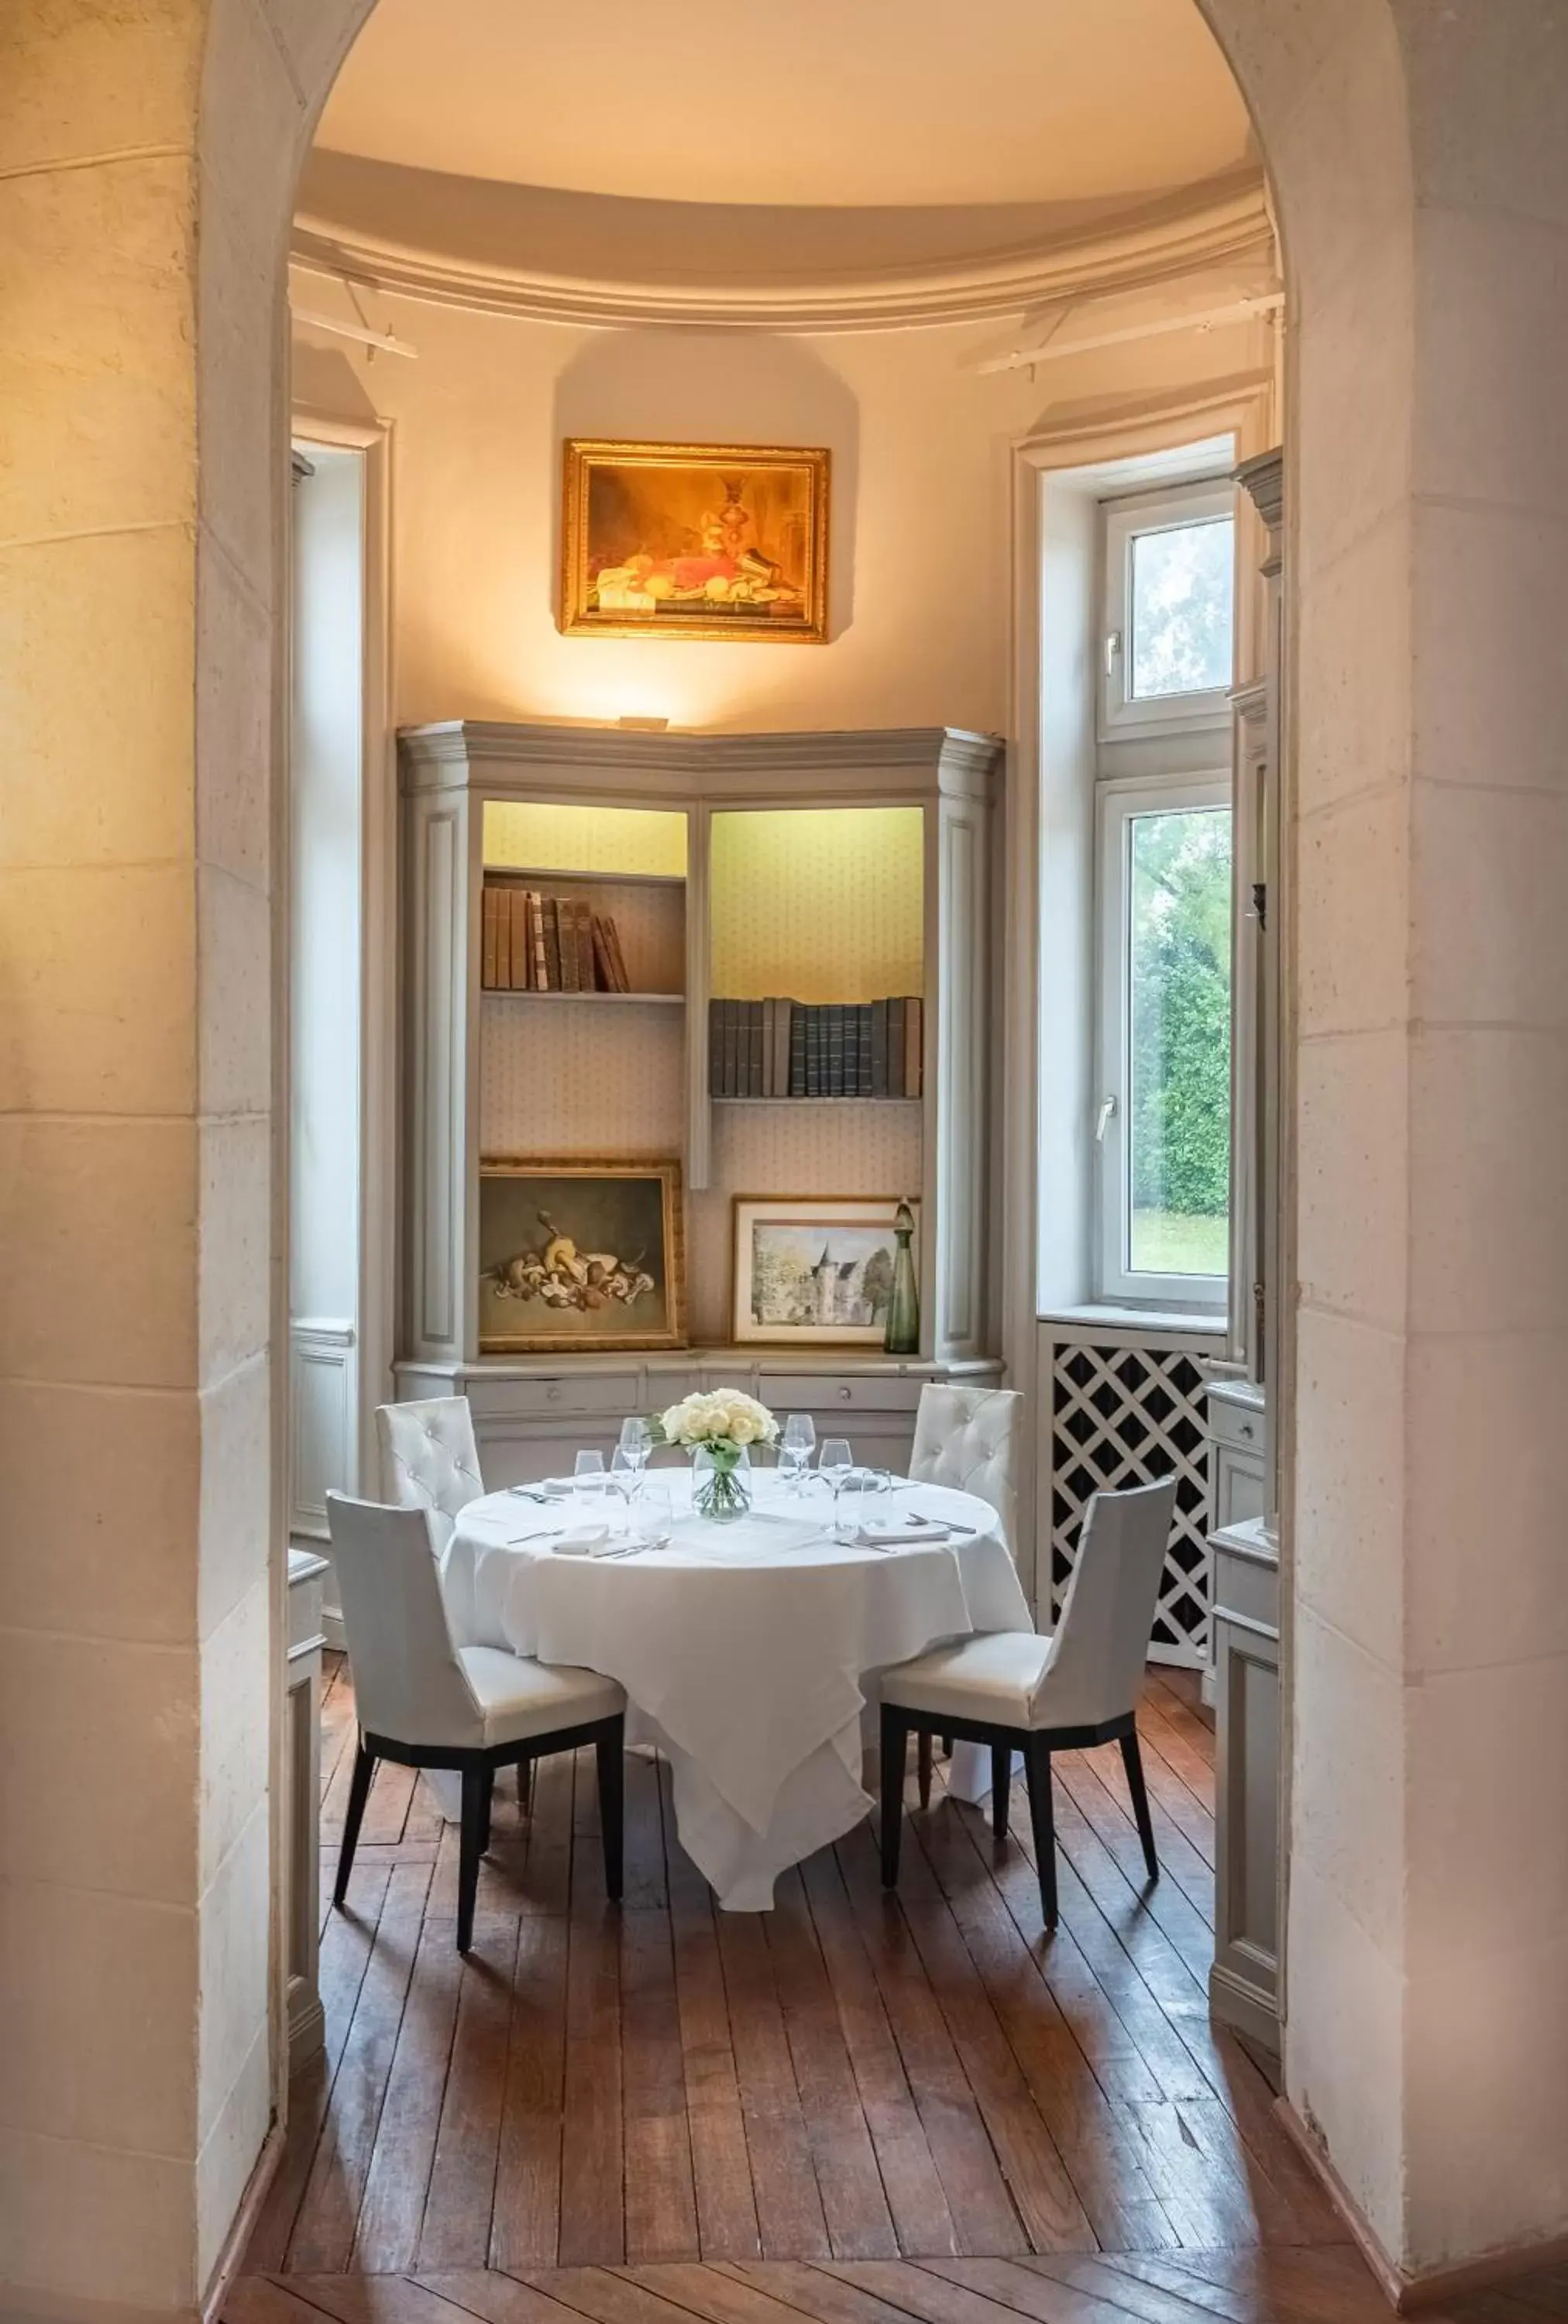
(1171, 509)
(1121, 800)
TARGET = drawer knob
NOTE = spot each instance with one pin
(1247, 1429)
(844, 1395)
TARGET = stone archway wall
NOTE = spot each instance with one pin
(147, 159)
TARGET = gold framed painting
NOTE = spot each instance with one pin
(814, 1271)
(580, 1255)
(694, 540)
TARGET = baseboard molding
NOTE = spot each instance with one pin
(1245, 2007)
(244, 2219)
(1407, 2294)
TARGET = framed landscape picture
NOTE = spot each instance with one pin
(586, 1255)
(817, 1272)
(694, 540)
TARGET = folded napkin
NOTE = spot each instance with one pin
(582, 1541)
(885, 1533)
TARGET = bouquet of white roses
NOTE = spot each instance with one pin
(721, 1422)
(718, 1428)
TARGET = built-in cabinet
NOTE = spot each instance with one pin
(831, 868)
(1246, 1985)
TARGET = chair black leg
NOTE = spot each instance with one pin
(358, 1792)
(611, 1753)
(1132, 1760)
(489, 1805)
(476, 1794)
(895, 1750)
(923, 1766)
(1038, 1761)
(1001, 1787)
(525, 1787)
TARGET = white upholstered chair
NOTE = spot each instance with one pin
(426, 1704)
(429, 1461)
(968, 1437)
(1019, 1691)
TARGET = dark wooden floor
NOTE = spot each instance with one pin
(857, 2109)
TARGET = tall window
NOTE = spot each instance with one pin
(1163, 1108)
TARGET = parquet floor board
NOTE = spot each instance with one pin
(1326, 2284)
(861, 2108)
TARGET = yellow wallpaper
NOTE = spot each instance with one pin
(819, 904)
(544, 838)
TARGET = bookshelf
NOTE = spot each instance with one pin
(813, 872)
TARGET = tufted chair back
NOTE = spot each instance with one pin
(428, 1461)
(967, 1438)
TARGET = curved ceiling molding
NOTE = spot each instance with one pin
(607, 260)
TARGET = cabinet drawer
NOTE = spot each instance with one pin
(1237, 1492)
(544, 1399)
(1245, 1586)
(1240, 1425)
(820, 1393)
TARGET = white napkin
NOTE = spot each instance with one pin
(581, 1541)
(885, 1533)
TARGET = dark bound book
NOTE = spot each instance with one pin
(754, 1048)
(797, 1016)
(732, 1048)
(487, 945)
(782, 1011)
(813, 1050)
(896, 1049)
(863, 1050)
(835, 1049)
(768, 1009)
(549, 912)
(715, 1049)
(914, 1046)
(879, 1048)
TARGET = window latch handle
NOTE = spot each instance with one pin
(1102, 1120)
(1112, 650)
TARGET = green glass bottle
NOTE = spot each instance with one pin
(902, 1337)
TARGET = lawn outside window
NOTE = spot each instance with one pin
(1163, 1116)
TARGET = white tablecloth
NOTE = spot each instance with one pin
(747, 1650)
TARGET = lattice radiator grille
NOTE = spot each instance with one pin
(1124, 1416)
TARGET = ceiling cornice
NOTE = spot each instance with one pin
(1222, 221)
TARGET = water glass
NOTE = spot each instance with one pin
(588, 1478)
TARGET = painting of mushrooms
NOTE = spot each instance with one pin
(579, 1254)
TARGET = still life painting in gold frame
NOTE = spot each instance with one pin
(580, 1255)
(694, 540)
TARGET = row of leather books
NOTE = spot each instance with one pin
(791, 1049)
(531, 943)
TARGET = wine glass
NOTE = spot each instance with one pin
(588, 1478)
(626, 1478)
(636, 1441)
(835, 1463)
(795, 1449)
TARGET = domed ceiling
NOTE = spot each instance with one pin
(809, 102)
(801, 164)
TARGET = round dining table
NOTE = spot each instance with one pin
(748, 1650)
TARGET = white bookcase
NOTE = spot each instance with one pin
(820, 866)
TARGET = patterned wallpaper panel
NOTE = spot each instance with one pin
(577, 1077)
(819, 904)
(542, 837)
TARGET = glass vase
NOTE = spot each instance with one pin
(721, 1482)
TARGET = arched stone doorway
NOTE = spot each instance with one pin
(1420, 161)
